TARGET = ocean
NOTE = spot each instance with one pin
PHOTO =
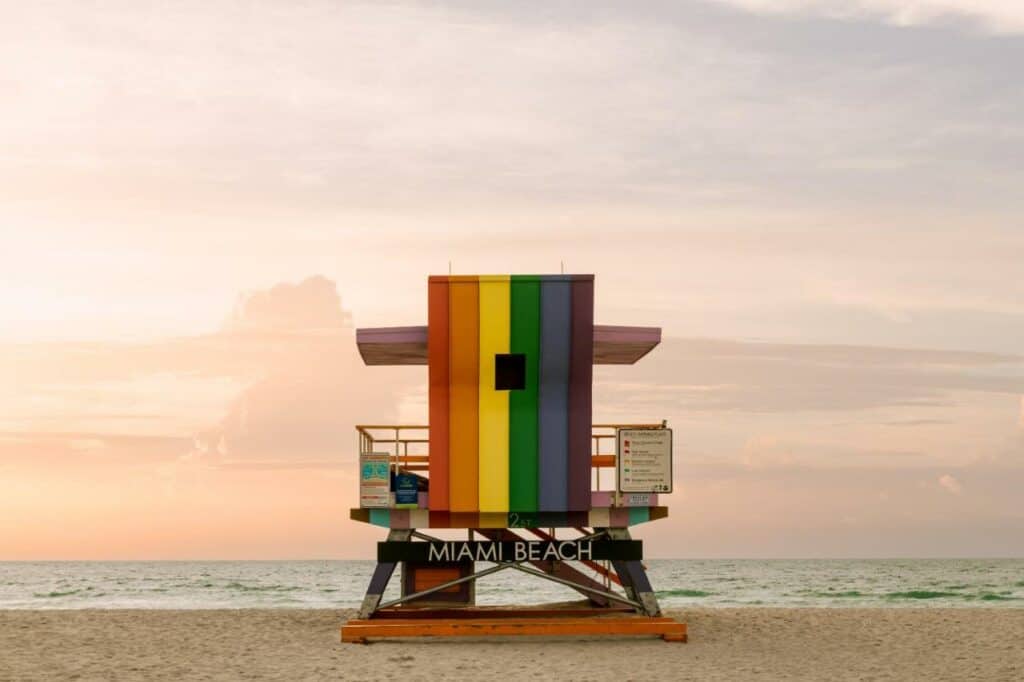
(989, 583)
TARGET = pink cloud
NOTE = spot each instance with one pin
(950, 484)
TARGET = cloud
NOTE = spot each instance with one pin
(803, 407)
(1001, 16)
(871, 511)
(951, 484)
(786, 446)
(281, 385)
(313, 387)
(916, 422)
(724, 375)
(805, 178)
(101, 446)
(381, 107)
(310, 305)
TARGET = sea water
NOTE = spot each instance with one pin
(989, 583)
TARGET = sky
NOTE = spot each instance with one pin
(817, 200)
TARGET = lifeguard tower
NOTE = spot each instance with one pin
(512, 460)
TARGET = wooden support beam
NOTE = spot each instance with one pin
(582, 610)
(634, 578)
(381, 576)
(558, 569)
(592, 565)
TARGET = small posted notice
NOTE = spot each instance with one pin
(645, 460)
(374, 479)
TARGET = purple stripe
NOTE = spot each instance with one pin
(581, 369)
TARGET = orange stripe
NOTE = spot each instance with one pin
(464, 342)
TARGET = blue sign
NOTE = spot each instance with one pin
(407, 490)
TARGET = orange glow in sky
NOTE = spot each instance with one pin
(199, 203)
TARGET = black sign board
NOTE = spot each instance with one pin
(511, 550)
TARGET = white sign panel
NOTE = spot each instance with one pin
(636, 500)
(645, 460)
(374, 479)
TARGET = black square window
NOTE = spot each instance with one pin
(509, 372)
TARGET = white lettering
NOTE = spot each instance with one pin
(565, 550)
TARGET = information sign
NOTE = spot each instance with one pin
(374, 479)
(644, 460)
(407, 491)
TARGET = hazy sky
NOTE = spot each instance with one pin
(818, 200)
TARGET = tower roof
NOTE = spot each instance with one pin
(613, 344)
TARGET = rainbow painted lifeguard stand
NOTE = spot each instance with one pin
(512, 458)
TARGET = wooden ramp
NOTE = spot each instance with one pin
(570, 609)
(360, 631)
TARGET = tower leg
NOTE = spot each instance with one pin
(634, 578)
(381, 576)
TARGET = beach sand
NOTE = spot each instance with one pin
(725, 644)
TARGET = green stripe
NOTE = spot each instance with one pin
(522, 405)
(639, 515)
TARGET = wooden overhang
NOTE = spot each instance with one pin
(613, 344)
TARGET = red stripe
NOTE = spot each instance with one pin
(437, 352)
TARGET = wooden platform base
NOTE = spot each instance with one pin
(359, 631)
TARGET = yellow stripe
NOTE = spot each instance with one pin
(495, 333)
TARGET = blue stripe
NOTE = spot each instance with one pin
(553, 394)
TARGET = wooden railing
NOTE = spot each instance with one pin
(395, 440)
(408, 445)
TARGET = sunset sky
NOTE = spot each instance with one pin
(819, 201)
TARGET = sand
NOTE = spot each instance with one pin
(725, 644)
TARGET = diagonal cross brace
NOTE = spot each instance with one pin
(558, 569)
